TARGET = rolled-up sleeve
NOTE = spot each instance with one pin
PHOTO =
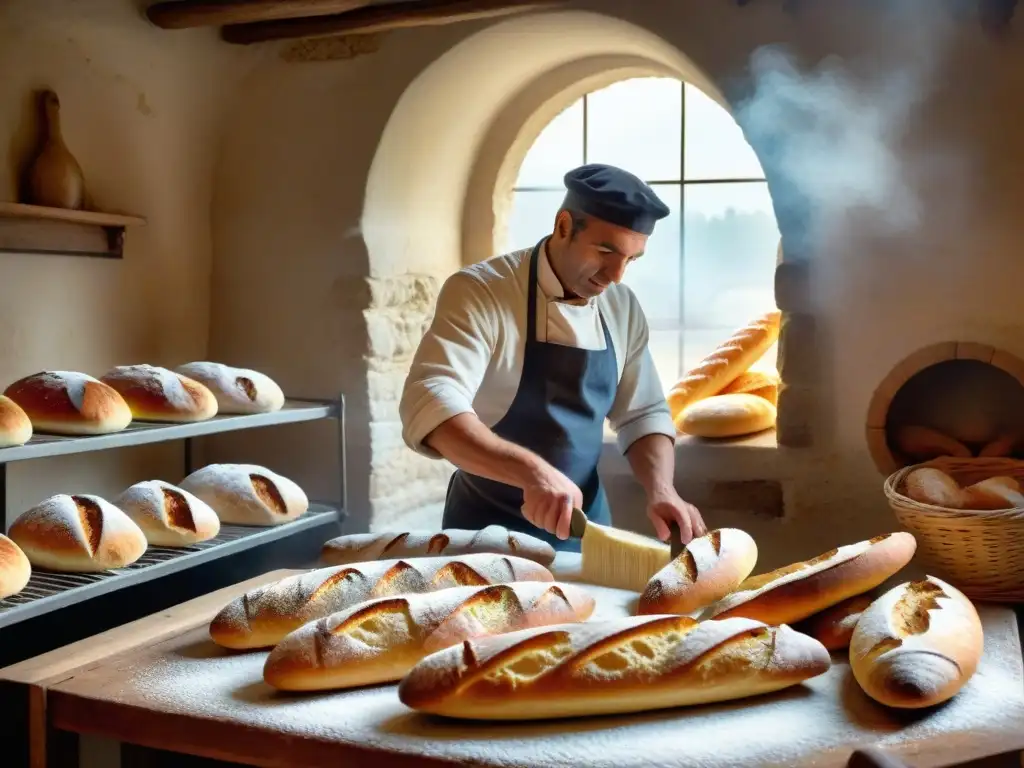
(451, 360)
(640, 408)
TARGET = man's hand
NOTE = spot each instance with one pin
(548, 500)
(665, 507)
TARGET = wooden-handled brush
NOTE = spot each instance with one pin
(616, 558)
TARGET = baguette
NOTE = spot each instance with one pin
(633, 664)
(834, 626)
(796, 591)
(708, 569)
(917, 645)
(733, 357)
(363, 547)
(378, 641)
(263, 616)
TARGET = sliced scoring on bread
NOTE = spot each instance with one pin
(267, 492)
(910, 615)
(437, 544)
(177, 510)
(457, 574)
(492, 610)
(247, 386)
(522, 664)
(395, 543)
(641, 650)
(331, 583)
(91, 518)
(380, 625)
(400, 577)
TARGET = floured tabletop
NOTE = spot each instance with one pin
(184, 693)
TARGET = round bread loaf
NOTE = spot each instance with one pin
(917, 645)
(70, 403)
(238, 390)
(708, 569)
(834, 626)
(247, 494)
(15, 568)
(794, 592)
(15, 425)
(928, 485)
(727, 416)
(157, 394)
(78, 534)
(168, 516)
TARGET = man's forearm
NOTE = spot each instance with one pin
(653, 460)
(471, 446)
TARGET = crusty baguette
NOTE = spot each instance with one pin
(834, 626)
(917, 645)
(796, 591)
(993, 493)
(380, 640)
(631, 664)
(495, 539)
(928, 485)
(733, 357)
(709, 568)
(262, 616)
(925, 443)
(760, 383)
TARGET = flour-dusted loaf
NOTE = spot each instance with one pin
(167, 515)
(834, 626)
(15, 568)
(708, 569)
(15, 425)
(731, 358)
(722, 416)
(796, 591)
(917, 645)
(928, 485)
(157, 394)
(626, 665)
(380, 640)
(238, 390)
(495, 539)
(247, 494)
(761, 383)
(78, 534)
(70, 403)
(994, 493)
(262, 616)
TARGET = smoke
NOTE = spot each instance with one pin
(834, 134)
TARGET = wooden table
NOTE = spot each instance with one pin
(161, 683)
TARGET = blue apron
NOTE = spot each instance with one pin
(558, 412)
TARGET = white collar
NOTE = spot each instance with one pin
(548, 281)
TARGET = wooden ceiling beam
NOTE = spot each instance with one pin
(184, 14)
(380, 18)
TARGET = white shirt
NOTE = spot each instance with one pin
(471, 358)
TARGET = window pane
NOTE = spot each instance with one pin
(654, 277)
(558, 149)
(531, 218)
(715, 145)
(730, 239)
(636, 124)
(664, 347)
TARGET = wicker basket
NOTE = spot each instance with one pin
(979, 552)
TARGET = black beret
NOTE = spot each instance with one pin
(613, 195)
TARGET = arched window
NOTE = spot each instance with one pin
(709, 267)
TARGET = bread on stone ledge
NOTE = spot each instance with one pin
(261, 617)
(495, 539)
(70, 403)
(796, 591)
(169, 516)
(77, 534)
(238, 390)
(157, 394)
(247, 494)
(380, 640)
(708, 569)
(613, 667)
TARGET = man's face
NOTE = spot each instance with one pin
(596, 255)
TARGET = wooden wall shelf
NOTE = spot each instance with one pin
(60, 231)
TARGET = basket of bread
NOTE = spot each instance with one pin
(968, 517)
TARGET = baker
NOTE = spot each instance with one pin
(529, 353)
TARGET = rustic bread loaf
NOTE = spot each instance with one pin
(247, 494)
(833, 627)
(993, 493)
(917, 645)
(733, 357)
(632, 664)
(15, 568)
(168, 516)
(157, 394)
(380, 640)
(708, 569)
(796, 591)
(721, 416)
(928, 485)
(77, 534)
(15, 425)
(70, 403)
(238, 390)
(495, 539)
(925, 443)
(761, 383)
(261, 617)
